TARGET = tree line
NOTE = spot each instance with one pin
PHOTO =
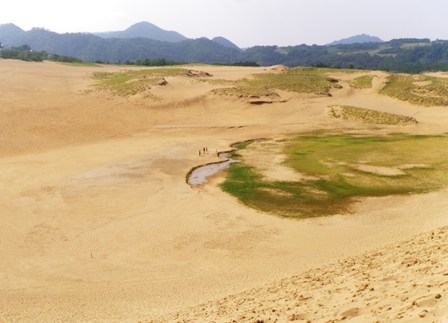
(25, 53)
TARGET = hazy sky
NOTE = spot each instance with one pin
(245, 22)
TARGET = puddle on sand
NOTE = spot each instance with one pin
(200, 174)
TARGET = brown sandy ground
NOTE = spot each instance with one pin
(98, 224)
(405, 282)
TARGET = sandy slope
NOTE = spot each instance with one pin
(99, 225)
(405, 281)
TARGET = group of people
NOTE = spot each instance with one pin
(203, 151)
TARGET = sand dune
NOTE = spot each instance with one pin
(405, 281)
(99, 225)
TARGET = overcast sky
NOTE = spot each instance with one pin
(245, 22)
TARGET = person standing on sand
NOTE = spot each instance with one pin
(199, 153)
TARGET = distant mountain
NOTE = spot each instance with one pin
(399, 55)
(144, 30)
(9, 33)
(225, 42)
(358, 39)
(93, 48)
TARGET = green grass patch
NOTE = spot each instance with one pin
(216, 81)
(134, 82)
(370, 116)
(341, 166)
(362, 82)
(242, 144)
(298, 80)
(417, 89)
(80, 64)
(242, 90)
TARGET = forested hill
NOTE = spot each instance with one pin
(89, 47)
(144, 30)
(358, 39)
(401, 55)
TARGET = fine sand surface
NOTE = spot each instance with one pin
(99, 225)
(406, 281)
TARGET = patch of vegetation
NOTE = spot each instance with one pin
(329, 70)
(221, 82)
(131, 83)
(370, 116)
(247, 92)
(154, 62)
(362, 82)
(243, 144)
(80, 64)
(418, 89)
(25, 53)
(238, 63)
(332, 161)
(246, 63)
(298, 80)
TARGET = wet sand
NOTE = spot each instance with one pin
(199, 174)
